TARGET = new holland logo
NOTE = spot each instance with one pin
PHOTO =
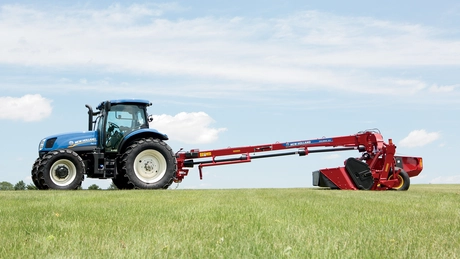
(81, 141)
(307, 142)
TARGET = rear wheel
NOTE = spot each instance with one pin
(403, 181)
(62, 170)
(121, 181)
(149, 164)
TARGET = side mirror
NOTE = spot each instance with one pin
(150, 118)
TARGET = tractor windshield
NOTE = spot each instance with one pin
(121, 120)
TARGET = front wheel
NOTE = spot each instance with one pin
(403, 181)
(34, 174)
(149, 164)
(62, 170)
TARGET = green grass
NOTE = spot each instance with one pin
(423, 222)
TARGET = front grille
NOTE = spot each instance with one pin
(50, 143)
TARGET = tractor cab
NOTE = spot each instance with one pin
(117, 119)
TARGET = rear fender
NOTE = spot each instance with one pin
(138, 134)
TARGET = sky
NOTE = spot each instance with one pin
(236, 73)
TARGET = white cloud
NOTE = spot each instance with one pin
(298, 51)
(442, 89)
(26, 108)
(446, 179)
(419, 138)
(192, 128)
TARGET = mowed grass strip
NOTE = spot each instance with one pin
(423, 222)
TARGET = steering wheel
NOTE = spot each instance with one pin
(111, 133)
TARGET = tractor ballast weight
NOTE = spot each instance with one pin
(119, 145)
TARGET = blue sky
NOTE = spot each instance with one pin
(223, 74)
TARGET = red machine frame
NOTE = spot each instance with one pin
(383, 166)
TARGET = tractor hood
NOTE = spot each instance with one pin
(76, 140)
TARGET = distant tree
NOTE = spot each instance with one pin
(6, 186)
(31, 187)
(94, 187)
(21, 185)
(112, 187)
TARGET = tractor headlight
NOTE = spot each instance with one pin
(41, 145)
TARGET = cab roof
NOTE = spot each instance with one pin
(125, 101)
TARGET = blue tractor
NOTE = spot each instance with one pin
(118, 145)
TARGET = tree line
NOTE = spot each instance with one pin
(21, 185)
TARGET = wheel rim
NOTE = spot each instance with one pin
(63, 172)
(150, 166)
(400, 181)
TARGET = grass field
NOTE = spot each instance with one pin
(423, 222)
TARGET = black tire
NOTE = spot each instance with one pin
(404, 181)
(149, 164)
(61, 170)
(34, 174)
(122, 182)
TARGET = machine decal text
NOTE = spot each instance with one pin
(81, 141)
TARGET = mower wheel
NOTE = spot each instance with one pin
(404, 181)
(61, 170)
(149, 164)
